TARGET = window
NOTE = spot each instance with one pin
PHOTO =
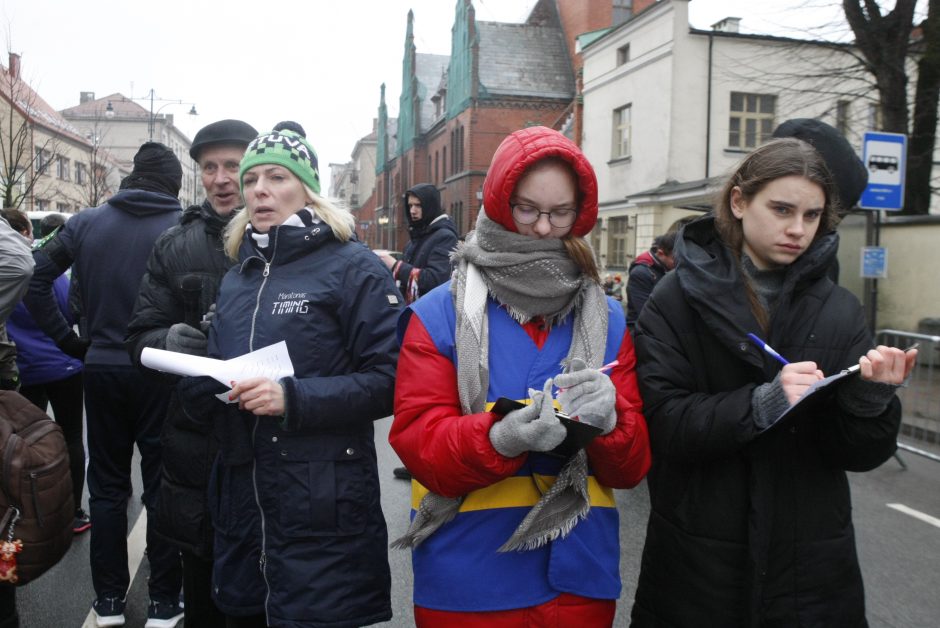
(842, 117)
(444, 161)
(62, 208)
(623, 54)
(79, 173)
(621, 245)
(752, 119)
(42, 205)
(457, 214)
(43, 160)
(875, 118)
(621, 139)
(62, 168)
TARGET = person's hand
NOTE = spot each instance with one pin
(796, 377)
(182, 338)
(74, 346)
(589, 395)
(887, 365)
(387, 259)
(259, 395)
(206, 321)
(532, 428)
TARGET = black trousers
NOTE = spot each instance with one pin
(124, 408)
(197, 593)
(66, 398)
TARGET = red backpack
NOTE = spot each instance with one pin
(36, 503)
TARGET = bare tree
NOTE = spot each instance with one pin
(95, 186)
(884, 40)
(24, 154)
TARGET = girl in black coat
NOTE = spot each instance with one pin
(751, 520)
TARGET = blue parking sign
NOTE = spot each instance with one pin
(885, 156)
(874, 262)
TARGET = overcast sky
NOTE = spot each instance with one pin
(319, 62)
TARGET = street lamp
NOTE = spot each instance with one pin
(152, 120)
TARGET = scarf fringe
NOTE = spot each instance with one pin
(560, 532)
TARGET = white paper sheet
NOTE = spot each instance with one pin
(272, 362)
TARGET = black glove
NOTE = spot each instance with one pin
(74, 346)
(197, 397)
(185, 339)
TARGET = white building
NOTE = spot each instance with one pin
(121, 125)
(669, 110)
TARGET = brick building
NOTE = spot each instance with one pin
(455, 110)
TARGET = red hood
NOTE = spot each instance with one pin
(522, 149)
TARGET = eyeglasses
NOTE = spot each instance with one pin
(528, 215)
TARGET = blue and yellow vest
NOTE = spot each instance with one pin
(458, 568)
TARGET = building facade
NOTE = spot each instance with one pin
(46, 163)
(121, 126)
(670, 110)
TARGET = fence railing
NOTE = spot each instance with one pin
(920, 398)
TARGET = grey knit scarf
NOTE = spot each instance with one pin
(531, 278)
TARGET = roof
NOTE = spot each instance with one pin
(429, 69)
(37, 110)
(524, 60)
(123, 108)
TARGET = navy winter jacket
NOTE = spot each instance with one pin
(109, 246)
(299, 495)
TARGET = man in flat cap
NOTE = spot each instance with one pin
(183, 276)
(109, 246)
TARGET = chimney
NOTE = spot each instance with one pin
(728, 25)
(84, 97)
(14, 65)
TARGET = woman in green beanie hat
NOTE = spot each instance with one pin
(300, 539)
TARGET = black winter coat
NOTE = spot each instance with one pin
(433, 239)
(194, 247)
(299, 496)
(749, 529)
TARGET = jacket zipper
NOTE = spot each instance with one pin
(262, 560)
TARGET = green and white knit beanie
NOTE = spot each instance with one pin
(284, 148)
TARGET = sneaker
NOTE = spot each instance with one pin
(401, 473)
(109, 611)
(82, 522)
(163, 614)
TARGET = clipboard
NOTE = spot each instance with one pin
(578, 434)
(814, 395)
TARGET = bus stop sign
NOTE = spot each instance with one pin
(885, 156)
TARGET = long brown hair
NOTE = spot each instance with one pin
(776, 159)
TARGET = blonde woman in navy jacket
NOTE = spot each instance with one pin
(300, 539)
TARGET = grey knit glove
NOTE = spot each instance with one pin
(206, 321)
(185, 339)
(533, 428)
(589, 395)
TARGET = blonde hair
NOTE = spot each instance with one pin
(338, 218)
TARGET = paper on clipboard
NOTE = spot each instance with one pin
(272, 362)
(817, 390)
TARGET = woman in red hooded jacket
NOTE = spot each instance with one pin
(511, 526)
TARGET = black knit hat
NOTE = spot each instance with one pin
(222, 132)
(156, 169)
(848, 172)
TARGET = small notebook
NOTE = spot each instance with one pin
(578, 436)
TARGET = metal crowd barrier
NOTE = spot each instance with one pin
(920, 397)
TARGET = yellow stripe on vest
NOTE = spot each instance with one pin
(515, 492)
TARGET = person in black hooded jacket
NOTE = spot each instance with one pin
(750, 521)
(425, 263)
(184, 272)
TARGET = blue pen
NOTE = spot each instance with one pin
(770, 350)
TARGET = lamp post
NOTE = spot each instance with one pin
(152, 120)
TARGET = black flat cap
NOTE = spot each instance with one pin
(222, 132)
